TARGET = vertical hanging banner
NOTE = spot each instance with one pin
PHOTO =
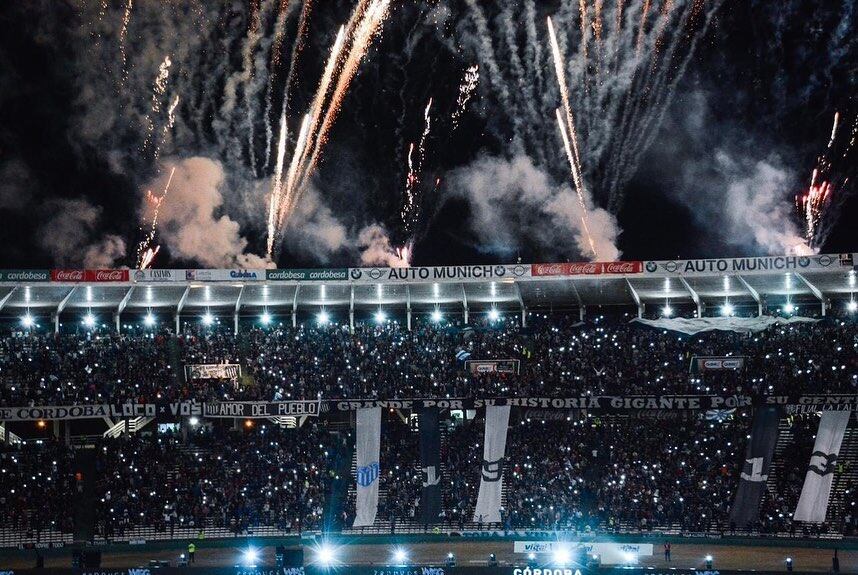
(430, 462)
(368, 446)
(491, 480)
(755, 470)
(813, 503)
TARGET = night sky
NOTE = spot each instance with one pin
(740, 130)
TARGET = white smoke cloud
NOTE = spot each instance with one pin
(757, 210)
(314, 230)
(70, 235)
(376, 249)
(190, 222)
(512, 200)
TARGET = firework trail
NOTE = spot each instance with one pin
(288, 202)
(412, 179)
(466, 90)
(123, 34)
(276, 190)
(157, 94)
(276, 47)
(826, 189)
(145, 253)
(171, 121)
(623, 60)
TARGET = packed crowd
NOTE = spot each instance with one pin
(233, 479)
(559, 357)
(583, 473)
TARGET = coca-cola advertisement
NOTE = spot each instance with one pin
(586, 268)
(67, 275)
(106, 275)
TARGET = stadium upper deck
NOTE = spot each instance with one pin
(703, 286)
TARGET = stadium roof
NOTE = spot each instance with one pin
(759, 281)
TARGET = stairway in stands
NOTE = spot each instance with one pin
(85, 504)
(174, 351)
(342, 460)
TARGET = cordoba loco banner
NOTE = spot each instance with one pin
(491, 472)
(750, 266)
(368, 446)
(212, 370)
(430, 462)
(755, 470)
(813, 503)
(457, 273)
(478, 366)
(716, 362)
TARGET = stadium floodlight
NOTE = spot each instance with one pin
(149, 319)
(494, 314)
(250, 556)
(27, 320)
(789, 564)
(667, 311)
(562, 556)
(208, 318)
(451, 560)
(194, 421)
(852, 306)
(727, 309)
(400, 556)
(436, 315)
(265, 318)
(788, 307)
(89, 320)
(323, 317)
(630, 558)
(708, 560)
(325, 555)
(380, 316)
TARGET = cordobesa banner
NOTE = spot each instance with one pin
(314, 408)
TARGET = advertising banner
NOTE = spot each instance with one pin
(446, 273)
(749, 266)
(609, 553)
(298, 275)
(151, 275)
(491, 472)
(212, 371)
(90, 275)
(368, 447)
(225, 275)
(586, 268)
(701, 363)
(478, 366)
(25, 275)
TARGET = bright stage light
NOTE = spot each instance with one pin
(562, 556)
(494, 314)
(325, 555)
(323, 317)
(380, 317)
(194, 421)
(149, 320)
(89, 320)
(265, 318)
(727, 309)
(436, 316)
(400, 556)
(852, 306)
(667, 311)
(27, 320)
(250, 556)
(789, 308)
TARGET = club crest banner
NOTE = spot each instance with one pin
(491, 472)
(368, 448)
(813, 503)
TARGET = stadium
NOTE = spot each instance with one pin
(512, 418)
(428, 287)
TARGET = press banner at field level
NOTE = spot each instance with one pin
(755, 469)
(813, 502)
(609, 553)
(491, 471)
(430, 463)
(368, 447)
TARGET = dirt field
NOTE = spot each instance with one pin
(476, 553)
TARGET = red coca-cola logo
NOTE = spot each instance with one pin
(548, 269)
(67, 275)
(623, 267)
(106, 275)
(587, 268)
